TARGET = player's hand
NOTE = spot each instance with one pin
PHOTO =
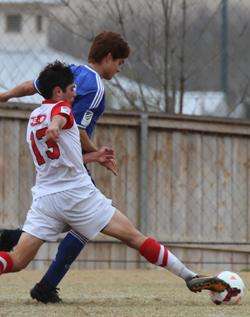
(112, 166)
(102, 155)
(52, 133)
(3, 97)
(111, 163)
(105, 154)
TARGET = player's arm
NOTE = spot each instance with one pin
(102, 155)
(25, 89)
(61, 118)
(82, 114)
(86, 143)
(89, 147)
(56, 125)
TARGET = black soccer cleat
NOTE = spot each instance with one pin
(45, 294)
(214, 284)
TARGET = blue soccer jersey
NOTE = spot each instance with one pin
(89, 103)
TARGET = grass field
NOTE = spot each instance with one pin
(109, 293)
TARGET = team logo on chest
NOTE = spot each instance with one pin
(36, 120)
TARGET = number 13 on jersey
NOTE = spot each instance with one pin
(53, 151)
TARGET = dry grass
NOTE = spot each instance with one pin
(112, 293)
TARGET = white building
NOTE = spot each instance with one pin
(24, 49)
(23, 24)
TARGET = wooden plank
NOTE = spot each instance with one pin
(156, 120)
(132, 177)
(209, 261)
(14, 114)
(163, 186)
(223, 261)
(26, 175)
(102, 255)
(132, 189)
(181, 254)
(209, 197)
(194, 188)
(132, 258)
(113, 255)
(41, 259)
(194, 195)
(199, 126)
(118, 140)
(241, 249)
(102, 176)
(239, 262)
(194, 259)
(240, 193)
(11, 173)
(179, 181)
(87, 256)
(224, 189)
(117, 256)
(209, 188)
(152, 185)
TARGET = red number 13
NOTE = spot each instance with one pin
(53, 151)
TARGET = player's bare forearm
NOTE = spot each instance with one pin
(87, 145)
(56, 125)
(103, 155)
(24, 89)
(112, 166)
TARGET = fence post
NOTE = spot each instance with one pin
(143, 184)
(224, 46)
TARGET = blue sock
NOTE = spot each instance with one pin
(67, 252)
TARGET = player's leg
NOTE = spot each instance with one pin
(46, 219)
(24, 252)
(121, 228)
(46, 290)
(9, 238)
(70, 247)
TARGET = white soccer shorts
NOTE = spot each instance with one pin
(85, 210)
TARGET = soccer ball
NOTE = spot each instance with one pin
(232, 295)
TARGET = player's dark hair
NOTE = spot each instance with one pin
(108, 42)
(53, 75)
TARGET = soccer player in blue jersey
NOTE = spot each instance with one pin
(106, 55)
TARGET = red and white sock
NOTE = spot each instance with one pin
(6, 263)
(158, 254)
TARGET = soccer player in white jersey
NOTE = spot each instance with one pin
(64, 195)
(106, 55)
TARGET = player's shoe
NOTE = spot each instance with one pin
(199, 283)
(44, 294)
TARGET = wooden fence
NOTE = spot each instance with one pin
(191, 194)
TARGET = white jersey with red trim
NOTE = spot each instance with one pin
(59, 165)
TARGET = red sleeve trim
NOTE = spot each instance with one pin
(63, 109)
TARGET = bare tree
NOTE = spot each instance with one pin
(175, 47)
(182, 55)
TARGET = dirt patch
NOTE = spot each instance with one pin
(113, 293)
